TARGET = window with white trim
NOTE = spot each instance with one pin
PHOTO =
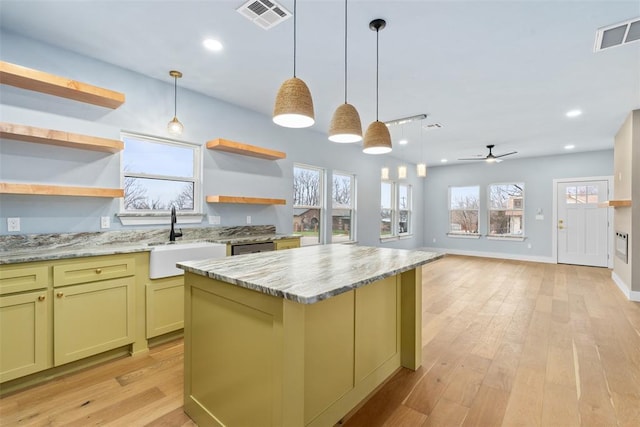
(506, 210)
(464, 206)
(343, 203)
(395, 209)
(158, 174)
(308, 197)
(387, 209)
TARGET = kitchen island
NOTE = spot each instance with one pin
(298, 337)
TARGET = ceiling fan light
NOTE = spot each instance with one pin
(345, 125)
(294, 105)
(377, 139)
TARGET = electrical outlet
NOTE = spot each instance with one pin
(105, 222)
(434, 240)
(214, 219)
(13, 224)
(529, 246)
(248, 219)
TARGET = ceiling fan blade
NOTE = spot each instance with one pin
(507, 154)
(477, 158)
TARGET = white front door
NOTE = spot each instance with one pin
(582, 225)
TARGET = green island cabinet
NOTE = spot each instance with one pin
(56, 312)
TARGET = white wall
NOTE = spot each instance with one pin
(537, 174)
(148, 108)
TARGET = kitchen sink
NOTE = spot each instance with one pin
(163, 257)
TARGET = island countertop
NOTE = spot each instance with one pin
(313, 273)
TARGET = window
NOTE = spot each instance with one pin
(307, 203)
(404, 208)
(387, 211)
(506, 210)
(343, 207)
(464, 203)
(582, 194)
(395, 209)
(158, 174)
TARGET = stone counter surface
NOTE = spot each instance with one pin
(310, 274)
(17, 248)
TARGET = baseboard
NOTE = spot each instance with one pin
(498, 255)
(631, 295)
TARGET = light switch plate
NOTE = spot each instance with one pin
(539, 217)
(105, 222)
(248, 219)
(214, 219)
(13, 224)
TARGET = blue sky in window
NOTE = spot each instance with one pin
(155, 158)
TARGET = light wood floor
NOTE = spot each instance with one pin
(505, 343)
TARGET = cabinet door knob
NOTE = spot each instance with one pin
(98, 270)
(41, 298)
(59, 294)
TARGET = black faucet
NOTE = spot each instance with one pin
(174, 219)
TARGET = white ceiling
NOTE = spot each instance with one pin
(491, 72)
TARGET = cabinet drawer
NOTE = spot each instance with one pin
(287, 244)
(19, 279)
(102, 268)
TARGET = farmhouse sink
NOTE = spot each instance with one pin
(163, 258)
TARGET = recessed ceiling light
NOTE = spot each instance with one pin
(443, 160)
(574, 113)
(403, 142)
(569, 147)
(212, 45)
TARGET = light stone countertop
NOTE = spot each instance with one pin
(313, 273)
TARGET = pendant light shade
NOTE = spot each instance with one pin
(294, 105)
(345, 125)
(174, 127)
(421, 168)
(377, 139)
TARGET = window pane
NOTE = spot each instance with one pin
(464, 197)
(592, 194)
(157, 158)
(157, 194)
(403, 221)
(571, 195)
(463, 221)
(306, 187)
(505, 222)
(306, 223)
(342, 191)
(341, 220)
(404, 201)
(385, 222)
(385, 195)
(581, 196)
(502, 196)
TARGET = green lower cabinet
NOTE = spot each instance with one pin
(165, 305)
(25, 339)
(92, 318)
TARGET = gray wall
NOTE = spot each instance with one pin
(148, 108)
(536, 173)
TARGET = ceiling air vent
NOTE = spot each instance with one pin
(432, 126)
(264, 13)
(617, 34)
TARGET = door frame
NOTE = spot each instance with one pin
(554, 228)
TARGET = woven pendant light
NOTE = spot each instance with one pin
(345, 125)
(377, 139)
(294, 105)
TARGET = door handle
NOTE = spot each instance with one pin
(560, 226)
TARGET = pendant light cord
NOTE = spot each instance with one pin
(377, 68)
(175, 96)
(295, 15)
(345, 51)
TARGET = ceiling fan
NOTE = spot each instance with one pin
(490, 158)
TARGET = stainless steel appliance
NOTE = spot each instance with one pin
(250, 248)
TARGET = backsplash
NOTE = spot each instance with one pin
(21, 242)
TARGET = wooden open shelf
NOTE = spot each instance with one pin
(59, 190)
(58, 137)
(245, 200)
(39, 81)
(244, 149)
(616, 203)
